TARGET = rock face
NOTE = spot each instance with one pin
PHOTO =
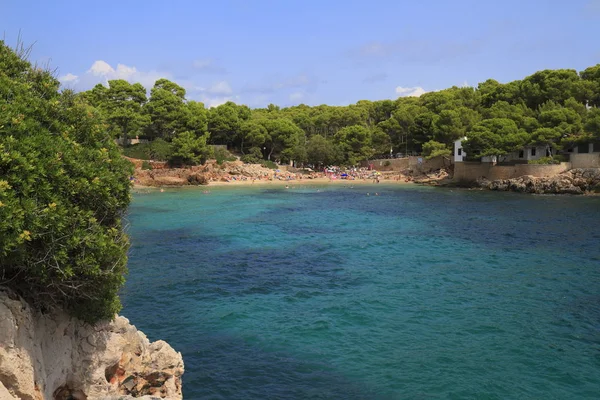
(54, 356)
(575, 181)
(204, 174)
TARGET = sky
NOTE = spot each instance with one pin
(289, 52)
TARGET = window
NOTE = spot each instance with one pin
(459, 152)
(533, 152)
(583, 148)
(521, 154)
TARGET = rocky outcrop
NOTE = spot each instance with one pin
(202, 174)
(54, 356)
(575, 181)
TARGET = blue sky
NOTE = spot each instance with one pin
(289, 52)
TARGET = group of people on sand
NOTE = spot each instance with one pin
(277, 175)
(334, 172)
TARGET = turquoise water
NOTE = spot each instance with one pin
(328, 293)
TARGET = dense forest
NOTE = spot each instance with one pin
(556, 108)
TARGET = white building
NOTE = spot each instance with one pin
(528, 153)
(459, 154)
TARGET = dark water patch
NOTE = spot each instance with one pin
(225, 367)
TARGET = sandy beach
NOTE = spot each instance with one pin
(319, 181)
(322, 181)
(240, 174)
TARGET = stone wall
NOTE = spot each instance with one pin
(585, 160)
(471, 171)
(419, 164)
(392, 164)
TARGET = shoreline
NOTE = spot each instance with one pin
(295, 182)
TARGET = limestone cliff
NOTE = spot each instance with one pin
(53, 356)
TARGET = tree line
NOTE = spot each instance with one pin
(556, 108)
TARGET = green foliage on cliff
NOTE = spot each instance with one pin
(63, 189)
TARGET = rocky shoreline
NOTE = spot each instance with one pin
(575, 181)
(212, 172)
(54, 356)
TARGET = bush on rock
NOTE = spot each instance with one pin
(63, 190)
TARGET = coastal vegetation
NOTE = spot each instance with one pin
(556, 108)
(63, 189)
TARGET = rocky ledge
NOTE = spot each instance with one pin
(54, 356)
(575, 181)
(202, 174)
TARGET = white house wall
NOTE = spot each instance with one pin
(458, 146)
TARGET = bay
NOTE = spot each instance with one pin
(327, 292)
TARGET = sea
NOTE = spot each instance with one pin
(369, 291)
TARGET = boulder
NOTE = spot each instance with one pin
(575, 181)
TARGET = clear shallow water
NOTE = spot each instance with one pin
(331, 294)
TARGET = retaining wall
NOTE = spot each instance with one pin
(471, 171)
(585, 160)
(419, 164)
(392, 164)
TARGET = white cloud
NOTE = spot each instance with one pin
(102, 72)
(215, 101)
(213, 96)
(410, 91)
(68, 78)
(100, 68)
(221, 87)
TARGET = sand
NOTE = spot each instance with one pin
(291, 183)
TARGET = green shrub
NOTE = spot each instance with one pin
(387, 163)
(222, 155)
(146, 165)
(269, 164)
(254, 156)
(548, 160)
(63, 190)
(140, 151)
(160, 150)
